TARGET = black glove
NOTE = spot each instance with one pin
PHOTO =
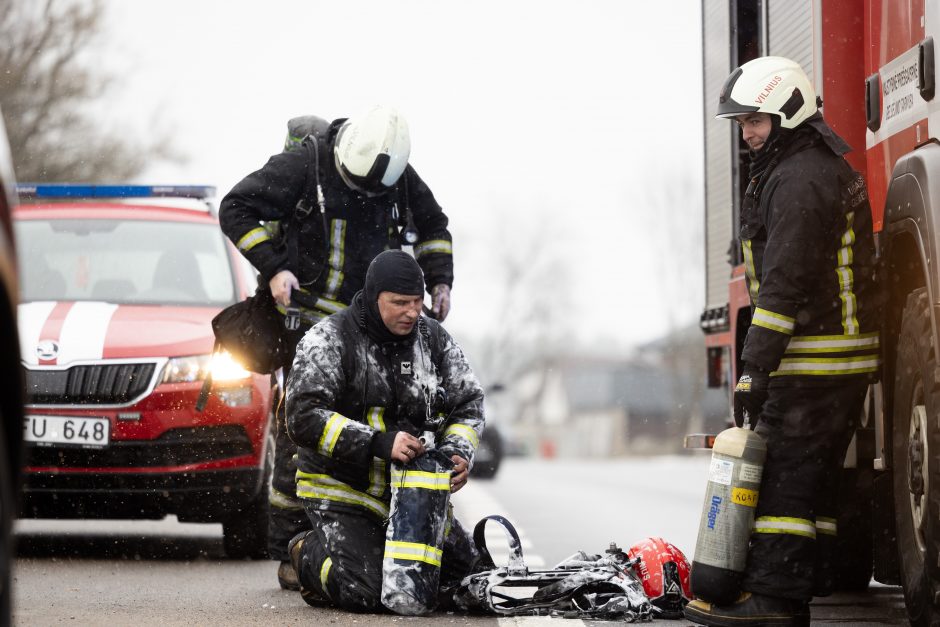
(750, 394)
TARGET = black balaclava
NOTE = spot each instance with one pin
(391, 271)
(777, 140)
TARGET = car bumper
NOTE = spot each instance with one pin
(200, 496)
(163, 457)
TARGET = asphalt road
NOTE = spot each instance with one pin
(166, 573)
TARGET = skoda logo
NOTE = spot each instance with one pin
(47, 349)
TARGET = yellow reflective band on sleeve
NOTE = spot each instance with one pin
(434, 246)
(463, 431)
(826, 526)
(773, 321)
(252, 238)
(420, 479)
(282, 501)
(833, 343)
(781, 524)
(375, 418)
(846, 277)
(334, 426)
(326, 488)
(412, 552)
(753, 284)
(859, 364)
(325, 572)
(337, 259)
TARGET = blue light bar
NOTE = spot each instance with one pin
(70, 190)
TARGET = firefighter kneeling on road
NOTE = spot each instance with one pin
(812, 347)
(365, 384)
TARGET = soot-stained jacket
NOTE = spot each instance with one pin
(331, 256)
(809, 256)
(344, 387)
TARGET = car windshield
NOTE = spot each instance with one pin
(124, 262)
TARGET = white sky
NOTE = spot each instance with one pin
(576, 118)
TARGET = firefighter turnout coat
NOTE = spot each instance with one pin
(806, 234)
(334, 250)
(344, 387)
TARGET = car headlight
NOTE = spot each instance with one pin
(197, 367)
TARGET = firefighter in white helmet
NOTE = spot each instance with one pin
(812, 346)
(310, 221)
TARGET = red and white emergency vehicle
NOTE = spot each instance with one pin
(873, 62)
(117, 296)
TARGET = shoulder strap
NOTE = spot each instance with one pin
(312, 190)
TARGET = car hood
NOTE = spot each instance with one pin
(54, 333)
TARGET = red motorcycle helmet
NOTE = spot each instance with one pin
(664, 572)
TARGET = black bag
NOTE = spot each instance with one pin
(253, 332)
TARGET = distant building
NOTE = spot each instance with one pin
(584, 407)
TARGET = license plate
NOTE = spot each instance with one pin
(68, 430)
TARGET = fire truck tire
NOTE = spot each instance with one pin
(245, 535)
(915, 448)
(854, 546)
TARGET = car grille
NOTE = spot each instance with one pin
(176, 447)
(97, 384)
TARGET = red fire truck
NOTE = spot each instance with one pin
(873, 64)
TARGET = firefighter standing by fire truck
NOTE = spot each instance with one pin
(316, 258)
(812, 347)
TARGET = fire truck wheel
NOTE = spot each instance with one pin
(245, 535)
(915, 449)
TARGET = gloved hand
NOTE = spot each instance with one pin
(440, 301)
(281, 285)
(750, 394)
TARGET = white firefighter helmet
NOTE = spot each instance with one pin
(773, 85)
(372, 150)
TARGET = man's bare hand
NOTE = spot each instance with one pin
(406, 447)
(440, 301)
(460, 473)
(281, 285)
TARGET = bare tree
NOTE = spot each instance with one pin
(48, 80)
(529, 279)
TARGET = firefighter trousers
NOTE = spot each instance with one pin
(286, 516)
(807, 431)
(341, 559)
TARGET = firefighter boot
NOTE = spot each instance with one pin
(749, 609)
(295, 550)
(287, 577)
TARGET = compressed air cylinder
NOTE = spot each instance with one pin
(727, 515)
(411, 568)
